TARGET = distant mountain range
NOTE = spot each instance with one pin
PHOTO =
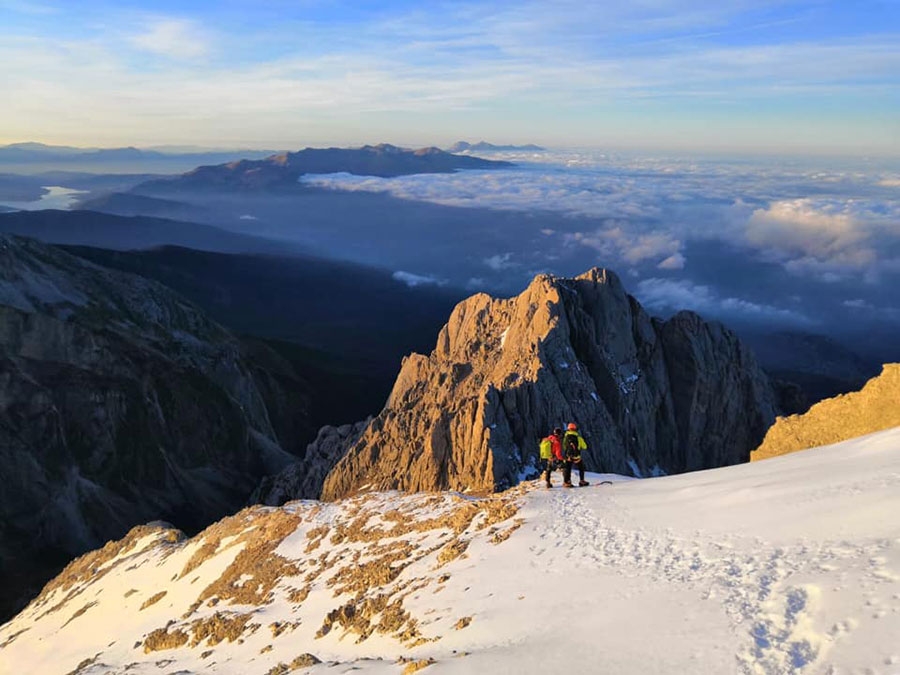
(105, 230)
(24, 153)
(482, 146)
(283, 170)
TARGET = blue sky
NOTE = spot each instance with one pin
(690, 75)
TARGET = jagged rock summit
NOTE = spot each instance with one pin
(650, 396)
(874, 408)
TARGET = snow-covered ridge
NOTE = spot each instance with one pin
(791, 565)
(306, 570)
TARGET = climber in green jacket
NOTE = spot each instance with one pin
(573, 445)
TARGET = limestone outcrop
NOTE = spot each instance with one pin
(650, 396)
(874, 408)
(304, 479)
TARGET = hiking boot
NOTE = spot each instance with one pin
(583, 483)
(568, 485)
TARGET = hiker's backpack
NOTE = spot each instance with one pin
(546, 448)
(570, 445)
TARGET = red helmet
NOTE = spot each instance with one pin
(572, 426)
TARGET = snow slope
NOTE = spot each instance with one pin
(787, 565)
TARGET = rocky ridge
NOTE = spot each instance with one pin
(283, 170)
(120, 402)
(650, 396)
(874, 408)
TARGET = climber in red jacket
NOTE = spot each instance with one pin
(551, 453)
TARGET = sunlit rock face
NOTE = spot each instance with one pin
(648, 395)
(874, 408)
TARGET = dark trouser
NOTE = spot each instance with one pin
(548, 468)
(567, 469)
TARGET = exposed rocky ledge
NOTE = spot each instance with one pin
(874, 408)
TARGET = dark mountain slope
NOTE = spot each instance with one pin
(89, 228)
(126, 204)
(344, 326)
(121, 403)
(820, 366)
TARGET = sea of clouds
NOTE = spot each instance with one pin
(830, 222)
(794, 230)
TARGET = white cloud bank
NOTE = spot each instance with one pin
(649, 208)
(828, 238)
(657, 247)
(172, 38)
(666, 295)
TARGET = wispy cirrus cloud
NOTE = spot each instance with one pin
(173, 38)
(569, 71)
(413, 280)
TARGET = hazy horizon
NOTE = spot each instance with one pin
(844, 159)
